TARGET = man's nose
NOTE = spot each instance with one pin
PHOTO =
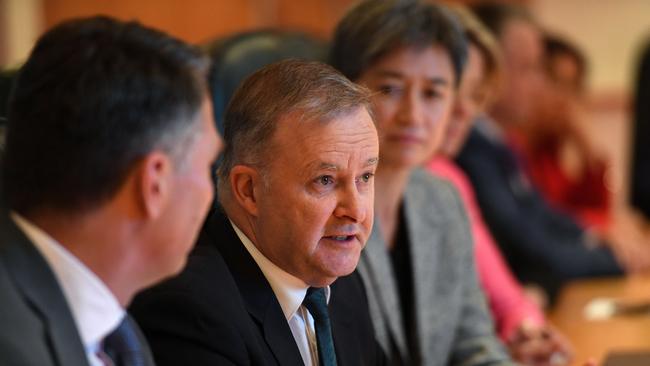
(351, 204)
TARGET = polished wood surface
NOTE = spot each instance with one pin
(596, 338)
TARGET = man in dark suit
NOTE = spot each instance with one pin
(107, 180)
(296, 195)
(542, 245)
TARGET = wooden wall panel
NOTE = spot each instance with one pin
(318, 17)
(202, 20)
(191, 20)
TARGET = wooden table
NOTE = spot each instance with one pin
(596, 338)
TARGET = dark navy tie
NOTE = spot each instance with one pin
(123, 346)
(316, 303)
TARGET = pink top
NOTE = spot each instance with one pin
(507, 302)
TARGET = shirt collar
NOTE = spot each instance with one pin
(94, 308)
(288, 289)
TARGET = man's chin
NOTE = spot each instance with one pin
(331, 274)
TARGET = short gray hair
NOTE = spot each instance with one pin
(311, 90)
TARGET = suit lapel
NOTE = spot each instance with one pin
(377, 268)
(343, 321)
(39, 286)
(426, 234)
(257, 293)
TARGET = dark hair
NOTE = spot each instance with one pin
(495, 15)
(310, 90)
(374, 28)
(555, 46)
(95, 96)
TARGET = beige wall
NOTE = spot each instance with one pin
(20, 24)
(192, 20)
(609, 31)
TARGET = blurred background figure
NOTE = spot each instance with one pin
(418, 266)
(542, 245)
(561, 160)
(519, 321)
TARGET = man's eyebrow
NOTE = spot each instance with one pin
(328, 166)
(371, 162)
(334, 167)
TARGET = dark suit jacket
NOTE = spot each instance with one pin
(222, 311)
(37, 327)
(36, 324)
(541, 245)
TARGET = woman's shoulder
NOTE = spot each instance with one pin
(429, 188)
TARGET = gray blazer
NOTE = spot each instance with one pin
(36, 324)
(454, 326)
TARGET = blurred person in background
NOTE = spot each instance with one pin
(560, 158)
(519, 321)
(542, 246)
(418, 267)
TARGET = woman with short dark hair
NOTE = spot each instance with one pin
(418, 265)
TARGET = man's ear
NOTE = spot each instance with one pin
(245, 183)
(155, 183)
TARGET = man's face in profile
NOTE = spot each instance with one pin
(316, 206)
(191, 193)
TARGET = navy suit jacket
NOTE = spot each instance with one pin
(541, 245)
(221, 310)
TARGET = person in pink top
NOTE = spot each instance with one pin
(519, 320)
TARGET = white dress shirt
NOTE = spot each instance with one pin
(94, 308)
(290, 292)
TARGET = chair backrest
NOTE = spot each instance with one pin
(640, 154)
(236, 57)
(6, 83)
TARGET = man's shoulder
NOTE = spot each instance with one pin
(198, 315)
(16, 314)
(33, 309)
(207, 267)
(204, 283)
(214, 311)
